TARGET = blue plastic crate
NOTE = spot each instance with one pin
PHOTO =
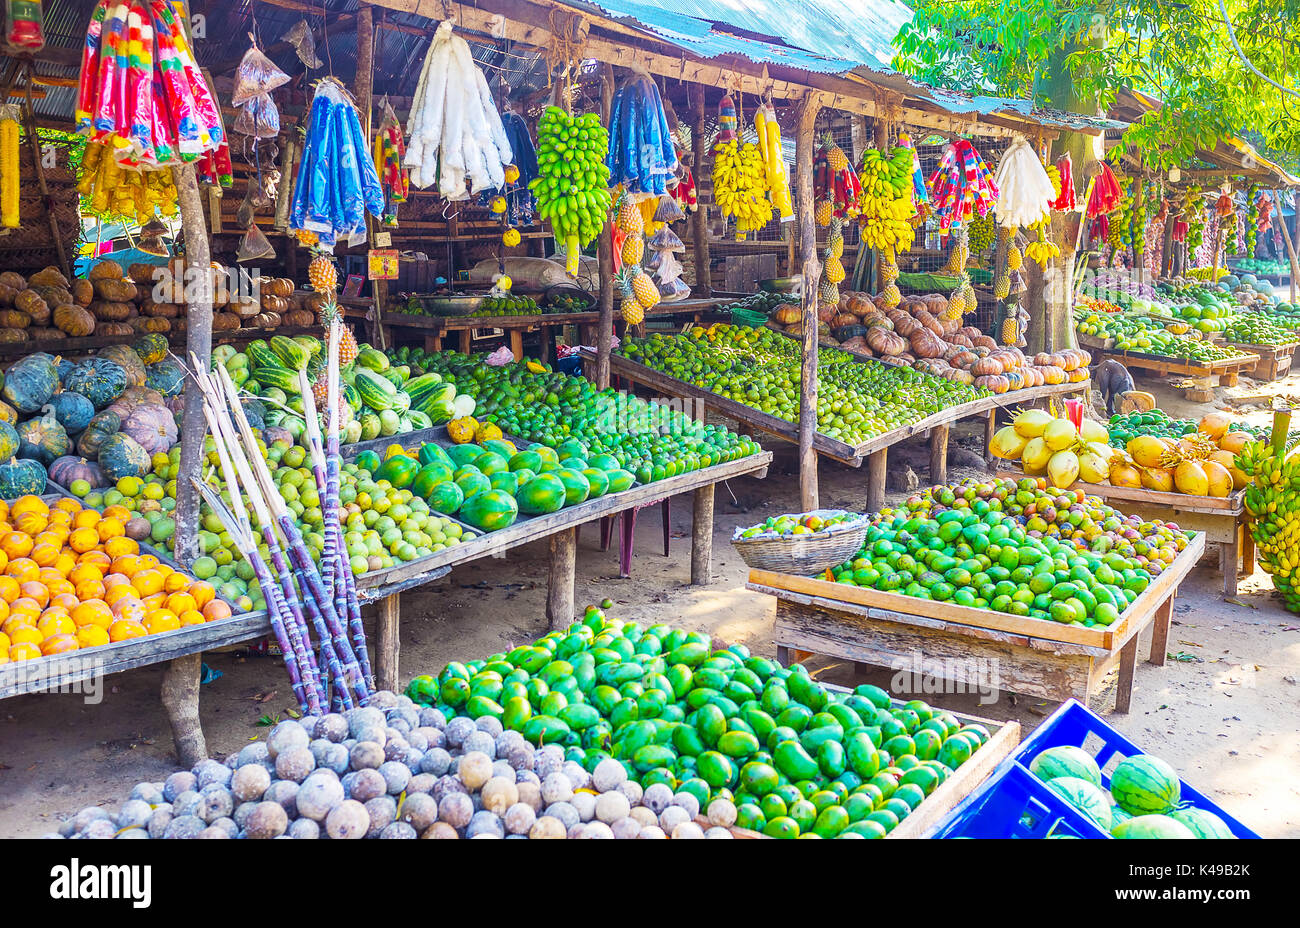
(572, 365)
(1015, 803)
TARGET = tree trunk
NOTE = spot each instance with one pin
(805, 139)
(700, 224)
(605, 253)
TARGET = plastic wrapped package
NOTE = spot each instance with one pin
(259, 117)
(665, 240)
(24, 26)
(254, 245)
(256, 76)
(304, 44)
(669, 210)
(671, 291)
(669, 267)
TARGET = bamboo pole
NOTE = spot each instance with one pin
(1286, 238)
(605, 253)
(805, 139)
(700, 224)
(198, 344)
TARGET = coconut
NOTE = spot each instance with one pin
(1158, 478)
(1234, 441)
(1063, 469)
(1125, 475)
(1060, 434)
(1007, 444)
(1146, 450)
(1032, 422)
(1190, 478)
(1035, 455)
(1093, 431)
(1219, 478)
(1214, 424)
(1092, 467)
(348, 819)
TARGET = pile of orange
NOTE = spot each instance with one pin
(70, 578)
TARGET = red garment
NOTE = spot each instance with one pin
(1180, 230)
(685, 192)
(1067, 200)
(1105, 192)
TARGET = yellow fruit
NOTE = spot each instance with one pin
(1032, 422)
(1125, 475)
(1063, 468)
(1094, 431)
(462, 430)
(1234, 441)
(1092, 467)
(1146, 450)
(1060, 434)
(1035, 455)
(1214, 424)
(487, 431)
(510, 238)
(1219, 478)
(1008, 444)
(1158, 478)
(1190, 478)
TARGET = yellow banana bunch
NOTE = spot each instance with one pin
(885, 205)
(740, 186)
(132, 194)
(769, 146)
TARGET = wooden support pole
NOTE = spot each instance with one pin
(363, 86)
(1286, 238)
(180, 699)
(198, 344)
(805, 140)
(388, 636)
(559, 589)
(876, 464)
(700, 224)
(702, 536)
(605, 252)
(1167, 246)
(29, 119)
(939, 454)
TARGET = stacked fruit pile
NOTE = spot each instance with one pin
(71, 578)
(1124, 428)
(1199, 463)
(1142, 801)
(1019, 547)
(92, 421)
(791, 525)
(1259, 329)
(1136, 333)
(757, 367)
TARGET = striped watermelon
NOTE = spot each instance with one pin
(1152, 826)
(1085, 796)
(1066, 761)
(1145, 785)
(1203, 824)
(374, 390)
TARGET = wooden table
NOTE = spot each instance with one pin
(1223, 521)
(1274, 360)
(1031, 656)
(1225, 372)
(435, 328)
(874, 451)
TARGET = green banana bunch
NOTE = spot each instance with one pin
(572, 183)
(1273, 501)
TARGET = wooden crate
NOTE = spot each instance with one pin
(1274, 360)
(1034, 656)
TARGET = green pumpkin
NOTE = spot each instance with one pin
(9, 441)
(73, 410)
(97, 379)
(31, 382)
(151, 348)
(21, 478)
(121, 456)
(43, 439)
(104, 425)
(369, 460)
(166, 376)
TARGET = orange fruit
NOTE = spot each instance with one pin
(148, 562)
(17, 544)
(123, 629)
(85, 572)
(34, 589)
(8, 588)
(203, 593)
(65, 563)
(56, 624)
(4, 609)
(54, 610)
(131, 609)
(4, 510)
(93, 612)
(5, 642)
(29, 503)
(26, 634)
(115, 590)
(23, 568)
(216, 609)
(126, 564)
(97, 558)
(24, 651)
(161, 620)
(154, 600)
(181, 602)
(25, 605)
(147, 581)
(17, 621)
(67, 504)
(176, 581)
(120, 545)
(117, 511)
(92, 636)
(83, 539)
(58, 586)
(87, 518)
(91, 589)
(192, 617)
(60, 644)
(110, 528)
(45, 554)
(68, 601)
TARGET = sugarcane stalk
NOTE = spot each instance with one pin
(299, 556)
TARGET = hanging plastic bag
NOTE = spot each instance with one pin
(669, 210)
(670, 291)
(256, 75)
(254, 245)
(665, 240)
(669, 267)
(304, 44)
(259, 118)
(24, 26)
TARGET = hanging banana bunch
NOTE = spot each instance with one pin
(769, 146)
(739, 177)
(9, 181)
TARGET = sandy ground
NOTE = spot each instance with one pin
(1224, 713)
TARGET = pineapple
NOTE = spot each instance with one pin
(347, 341)
(836, 160)
(629, 219)
(322, 273)
(643, 285)
(630, 307)
(892, 295)
(1010, 331)
(834, 269)
(1002, 289)
(836, 249)
(824, 212)
(1015, 260)
(633, 249)
(828, 293)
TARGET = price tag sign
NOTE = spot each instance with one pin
(383, 239)
(382, 264)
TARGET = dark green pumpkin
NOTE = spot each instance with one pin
(43, 439)
(9, 441)
(31, 382)
(21, 478)
(151, 348)
(99, 380)
(104, 425)
(121, 456)
(167, 377)
(73, 410)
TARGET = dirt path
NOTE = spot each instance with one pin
(1223, 714)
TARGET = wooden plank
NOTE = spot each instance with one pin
(963, 781)
(388, 642)
(1232, 505)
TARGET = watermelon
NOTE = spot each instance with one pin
(489, 510)
(446, 498)
(576, 487)
(1145, 785)
(544, 493)
(293, 355)
(1085, 796)
(437, 401)
(1152, 826)
(1202, 824)
(1066, 761)
(375, 391)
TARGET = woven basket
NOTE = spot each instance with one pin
(805, 555)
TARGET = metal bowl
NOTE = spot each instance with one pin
(446, 305)
(778, 284)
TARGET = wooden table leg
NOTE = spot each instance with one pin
(939, 454)
(702, 536)
(1127, 668)
(466, 340)
(1160, 631)
(990, 429)
(548, 343)
(432, 343)
(559, 590)
(1247, 550)
(876, 464)
(180, 699)
(388, 641)
(517, 343)
(1229, 558)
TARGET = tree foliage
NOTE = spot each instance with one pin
(1076, 54)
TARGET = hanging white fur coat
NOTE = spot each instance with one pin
(455, 132)
(1025, 192)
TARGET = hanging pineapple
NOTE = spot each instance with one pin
(824, 212)
(828, 294)
(836, 245)
(628, 218)
(323, 275)
(633, 249)
(631, 309)
(1015, 260)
